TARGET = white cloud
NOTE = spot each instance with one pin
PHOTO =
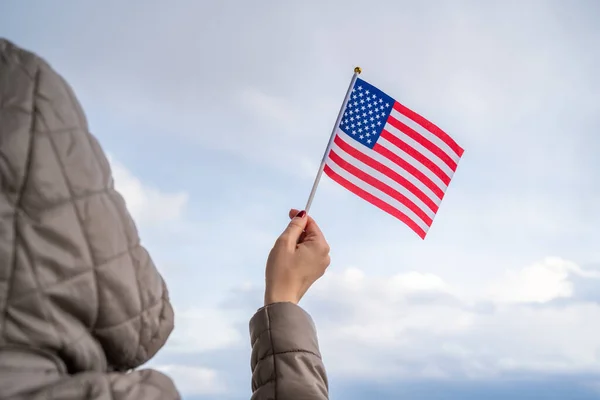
(415, 325)
(194, 380)
(203, 329)
(538, 283)
(148, 205)
(274, 110)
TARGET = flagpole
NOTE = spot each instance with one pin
(357, 72)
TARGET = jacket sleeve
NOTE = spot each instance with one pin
(286, 362)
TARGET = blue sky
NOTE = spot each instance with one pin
(215, 115)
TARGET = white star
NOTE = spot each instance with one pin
(365, 122)
(361, 136)
(362, 101)
(369, 141)
(372, 125)
(360, 88)
(363, 108)
(360, 129)
(367, 92)
(359, 123)
(387, 105)
(352, 118)
(381, 100)
(352, 126)
(378, 123)
(365, 115)
(374, 96)
(368, 134)
(360, 95)
(369, 105)
(354, 132)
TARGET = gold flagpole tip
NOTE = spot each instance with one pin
(357, 70)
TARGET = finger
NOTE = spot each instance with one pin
(293, 212)
(295, 228)
(312, 230)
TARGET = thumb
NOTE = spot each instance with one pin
(292, 233)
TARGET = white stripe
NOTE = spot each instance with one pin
(426, 134)
(383, 178)
(417, 164)
(421, 149)
(394, 167)
(377, 193)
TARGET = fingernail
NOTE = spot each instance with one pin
(301, 214)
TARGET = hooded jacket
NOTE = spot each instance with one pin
(82, 305)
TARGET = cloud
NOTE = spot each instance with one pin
(194, 380)
(148, 205)
(416, 326)
(541, 282)
(274, 110)
(206, 329)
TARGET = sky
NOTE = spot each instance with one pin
(215, 116)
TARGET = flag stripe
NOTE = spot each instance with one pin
(410, 169)
(411, 151)
(426, 134)
(429, 127)
(433, 162)
(387, 153)
(377, 168)
(415, 163)
(374, 200)
(379, 194)
(377, 184)
(423, 141)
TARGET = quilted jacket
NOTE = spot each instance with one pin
(81, 302)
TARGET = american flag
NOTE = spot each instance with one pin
(392, 157)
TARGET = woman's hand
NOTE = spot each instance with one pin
(300, 257)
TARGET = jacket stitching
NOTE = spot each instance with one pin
(27, 173)
(291, 351)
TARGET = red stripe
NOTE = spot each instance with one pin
(430, 127)
(410, 169)
(375, 201)
(423, 141)
(387, 171)
(411, 151)
(333, 156)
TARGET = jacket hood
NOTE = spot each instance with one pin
(75, 282)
